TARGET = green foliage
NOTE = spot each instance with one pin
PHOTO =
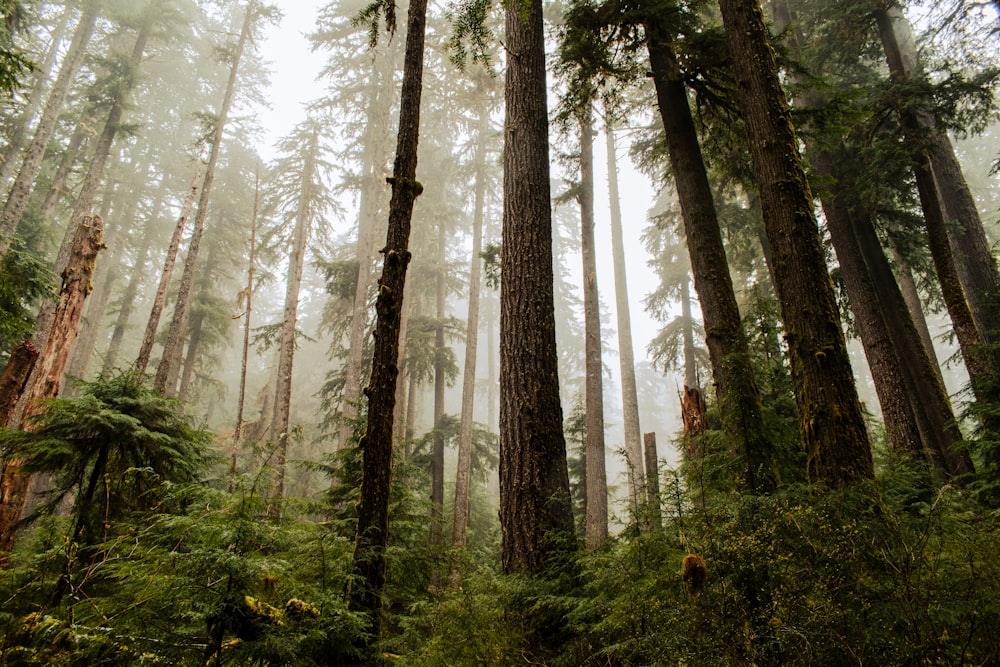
(119, 444)
(25, 279)
(470, 33)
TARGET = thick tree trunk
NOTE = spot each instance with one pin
(169, 367)
(371, 205)
(463, 475)
(735, 386)
(596, 522)
(365, 594)
(48, 372)
(286, 347)
(626, 355)
(17, 200)
(536, 517)
(160, 299)
(830, 416)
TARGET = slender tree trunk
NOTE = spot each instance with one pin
(536, 516)
(830, 416)
(372, 203)
(40, 79)
(160, 299)
(17, 201)
(57, 189)
(437, 455)
(687, 318)
(365, 594)
(904, 276)
(626, 354)
(596, 522)
(735, 386)
(247, 294)
(286, 348)
(463, 475)
(401, 417)
(652, 480)
(48, 371)
(166, 373)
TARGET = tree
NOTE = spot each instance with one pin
(376, 444)
(169, 367)
(596, 524)
(535, 512)
(114, 444)
(830, 417)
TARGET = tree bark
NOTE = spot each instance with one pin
(160, 299)
(48, 372)
(365, 594)
(463, 475)
(17, 200)
(735, 386)
(536, 517)
(652, 480)
(830, 416)
(13, 485)
(169, 367)
(286, 348)
(596, 521)
(626, 354)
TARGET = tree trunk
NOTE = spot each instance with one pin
(245, 353)
(652, 480)
(32, 163)
(166, 373)
(160, 299)
(536, 516)
(830, 416)
(57, 189)
(13, 485)
(687, 318)
(365, 594)
(372, 202)
(981, 364)
(735, 386)
(48, 372)
(904, 277)
(596, 522)
(463, 475)
(286, 348)
(626, 355)
(437, 454)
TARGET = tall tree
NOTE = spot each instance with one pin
(302, 178)
(169, 367)
(535, 512)
(830, 416)
(596, 523)
(735, 385)
(376, 445)
(626, 354)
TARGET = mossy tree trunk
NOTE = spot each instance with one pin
(49, 370)
(536, 517)
(830, 416)
(735, 386)
(365, 594)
